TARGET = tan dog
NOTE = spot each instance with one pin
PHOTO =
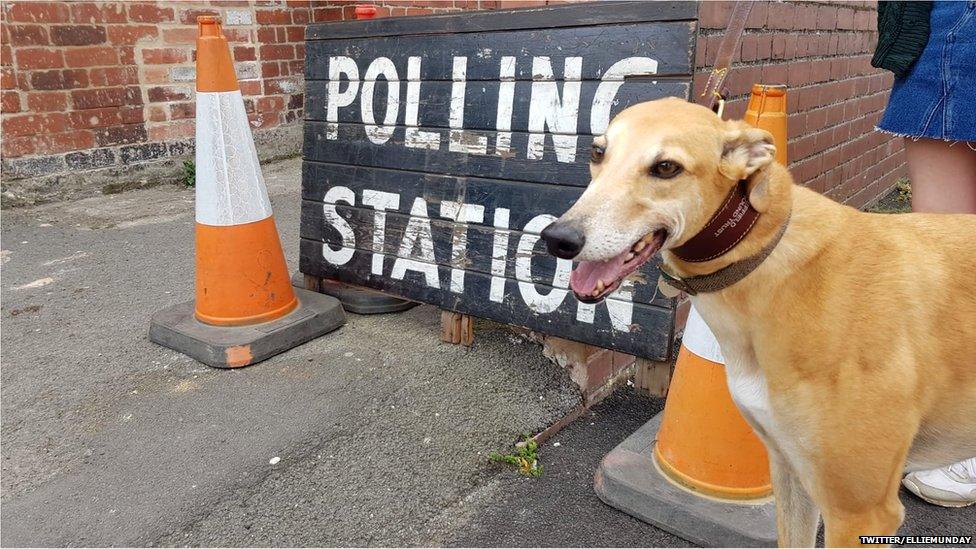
(851, 349)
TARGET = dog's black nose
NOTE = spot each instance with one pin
(564, 240)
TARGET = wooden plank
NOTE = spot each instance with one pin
(669, 44)
(433, 105)
(523, 200)
(478, 253)
(560, 160)
(592, 13)
(632, 328)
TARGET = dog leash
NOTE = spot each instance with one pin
(715, 92)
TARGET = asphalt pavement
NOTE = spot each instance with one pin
(377, 434)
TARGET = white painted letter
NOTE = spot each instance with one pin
(607, 90)
(339, 65)
(381, 201)
(461, 140)
(460, 212)
(380, 66)
(414, 137)
(523, 269)
(506, 98)
(547, 109)
(332, 197)
(499, 253)
(417, 232)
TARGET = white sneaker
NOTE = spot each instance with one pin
(952, 486)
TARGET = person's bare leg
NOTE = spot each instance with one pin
(943, 177)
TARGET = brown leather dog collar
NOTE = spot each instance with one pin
(726, 276)
(727, 227)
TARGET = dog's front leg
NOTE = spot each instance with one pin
(797, 516)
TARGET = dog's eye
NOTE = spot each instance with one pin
(666, 169)
(596, 154)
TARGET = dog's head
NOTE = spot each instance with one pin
(658, 174)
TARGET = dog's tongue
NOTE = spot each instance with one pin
(587, 274)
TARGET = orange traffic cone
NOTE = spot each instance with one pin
(245, 308)
(697, 469)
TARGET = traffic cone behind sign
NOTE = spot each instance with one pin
(245, 309)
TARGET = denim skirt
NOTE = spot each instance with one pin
(937, 99)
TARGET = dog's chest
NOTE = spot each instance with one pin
(746, 382)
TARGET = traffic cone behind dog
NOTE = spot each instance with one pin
(245, 308)
(711, 448)
(767, 110)
(704, 443)
(242, 277)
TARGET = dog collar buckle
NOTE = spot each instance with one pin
(677, 283)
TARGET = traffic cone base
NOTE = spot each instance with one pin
(630, 479)
(355, 299)
(245, 308)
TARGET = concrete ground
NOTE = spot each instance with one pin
(377, 434)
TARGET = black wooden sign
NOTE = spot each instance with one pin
(437, 148)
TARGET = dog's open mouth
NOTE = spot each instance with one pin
(592, 281)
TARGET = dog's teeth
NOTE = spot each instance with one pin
(600, 286)
(630, 256)
(639, 246)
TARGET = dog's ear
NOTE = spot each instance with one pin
(745, 150)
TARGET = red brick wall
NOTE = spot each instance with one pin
(90, 85)
(108, 86)
(822, 51)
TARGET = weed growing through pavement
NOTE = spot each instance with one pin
(189, 173)
(525, 458)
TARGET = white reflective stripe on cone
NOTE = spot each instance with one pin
(230, 186)
(700, 340)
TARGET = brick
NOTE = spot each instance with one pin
(164, 56)
(59, 79)
(28, 35)
(180, 36)
(91, 57)
(713, 15)
(141, 153)
(180, 111)
(270, 104)
(39, 58)
(132, 115)
(189, 16)
(114, 76)
(322, 15)
(237, 35)
(168, 93)
(826, 17)
(47, 101)
(273, 17)
(127, 55)
(149, 13)
(90, 12)
(238, 17)
(98, 98)
(90, 160)
(77, 35)
(183, 73)
(296, 34)
(6, 55)
(119, 135)
(245, 53)
(131, 34)
(270, 52)
(251, 87)
(9, 102)
(303, 16)
(38, 12)
(781, 16)
(96, 118)
(157, 113)
(177, 130)
(33, 124)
